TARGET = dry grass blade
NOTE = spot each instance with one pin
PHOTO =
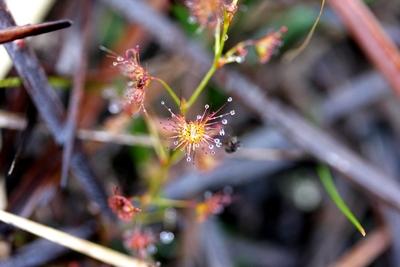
(85, 247)
(19, 32)
(28, 256)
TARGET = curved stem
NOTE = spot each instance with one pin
(170, 91)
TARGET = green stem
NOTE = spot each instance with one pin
(169, 90)
(201, 86)
(217, 37)
(165, 202)
(219, 47)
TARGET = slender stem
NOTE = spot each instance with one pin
(217, 37)
(169, 90)
(219, 47)
(223, 37)
(201, 86)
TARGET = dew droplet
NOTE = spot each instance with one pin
(166, 237)
(114, 107)
(224, 121)
(216, 140)
(218, 145)
(115, 63)
(198, 117)
(188, 159)
(207, 106)
(175, 143)
(222, 132)
(211, 146)
(162, 103)
(226, 37)
(191, 20)
(239, 59)
(151, 249)
(120, 59)
(232, 112)
(212, 152)
(229, 99)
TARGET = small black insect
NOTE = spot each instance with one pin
(231, 144)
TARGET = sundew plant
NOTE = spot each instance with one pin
(176, 135)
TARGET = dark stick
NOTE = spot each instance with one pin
(77, 92)
(50, 108)
(313, 140)
(19, 32)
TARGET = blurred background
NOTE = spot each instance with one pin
(279, 214)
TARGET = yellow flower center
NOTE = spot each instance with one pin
(193, 132)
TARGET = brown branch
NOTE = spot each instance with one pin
(313, 140)
(366, 250)
(50, 108)
(19, 32)
(367, 31)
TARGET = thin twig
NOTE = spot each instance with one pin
(77, 92)
(313, 140)
(121, 139)
(13, 121)
(19, 32)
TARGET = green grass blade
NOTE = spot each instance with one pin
(57, 82)
(10, 82)
(327, 181)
